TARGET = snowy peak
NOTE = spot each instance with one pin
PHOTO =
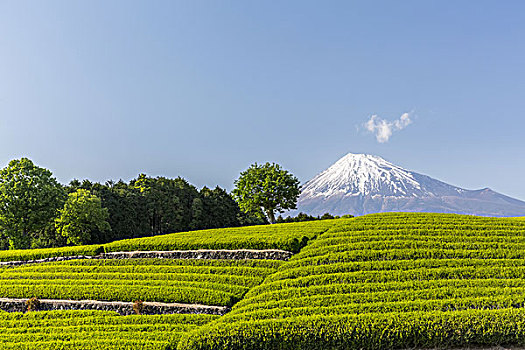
(360, 184)
(362, 174)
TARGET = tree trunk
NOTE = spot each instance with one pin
(271, 216)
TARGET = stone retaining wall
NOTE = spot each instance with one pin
(38, 261)
(123, 308)
(239, 254)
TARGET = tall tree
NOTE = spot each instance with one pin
(29, 199)
(127, 209)
(128, 215)
(81, 216)
(215, 208)
(264, 189)
(169, 202)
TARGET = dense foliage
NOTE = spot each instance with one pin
(29, 200)
(302, 217)
(387, 281)
(81, 215)
(35, 211)
(149, 206)
(261, 190)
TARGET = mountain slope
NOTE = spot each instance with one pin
(361, 184)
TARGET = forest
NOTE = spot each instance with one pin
(37, 211)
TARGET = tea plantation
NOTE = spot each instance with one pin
(382, 281)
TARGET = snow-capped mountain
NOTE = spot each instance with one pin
(360, 184)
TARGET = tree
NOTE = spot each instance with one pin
(148, 206)
(81, 216)
(264, 189)
(169, 202)
(29, 200)
(327, 216)
(215, 208)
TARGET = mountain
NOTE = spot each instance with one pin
(360, 184)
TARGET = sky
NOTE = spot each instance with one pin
(202, 89)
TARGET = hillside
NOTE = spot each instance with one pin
(361, 184)
(382, 281)
(87, 295)
(387, 281)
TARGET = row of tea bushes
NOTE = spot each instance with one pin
(209, 282)
(94, 330)
(289, 237)
(383, 282)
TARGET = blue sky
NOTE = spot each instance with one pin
(202, 89)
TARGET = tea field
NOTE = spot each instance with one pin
(387, 281)
(381, 281)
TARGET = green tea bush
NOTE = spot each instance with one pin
(387, 281)
(289, 236)
(94, 330)
(210, 282)
(34, 254)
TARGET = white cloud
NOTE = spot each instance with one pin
(383, 129)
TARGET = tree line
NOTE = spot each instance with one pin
(37, 211)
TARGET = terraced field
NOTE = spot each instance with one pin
(192, 284)
(384, 281)
(290, 237)
(33, 254)
(387, 281)
(94, 330)
(208, 282)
